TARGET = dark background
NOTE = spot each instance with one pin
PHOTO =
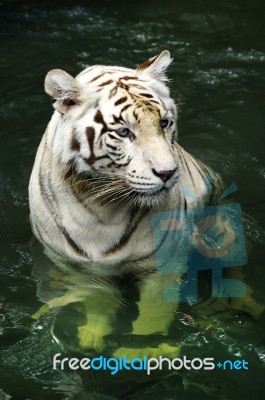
(218, 81)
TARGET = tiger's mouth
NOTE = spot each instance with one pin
(153, 195)
(108, 189)
(147, 198)
(157, 192)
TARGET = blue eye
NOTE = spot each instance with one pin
(164, 123)
(122, 132)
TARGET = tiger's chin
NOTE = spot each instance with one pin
(146, 199)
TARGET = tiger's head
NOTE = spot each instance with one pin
(116, 126)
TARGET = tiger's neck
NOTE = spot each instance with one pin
(100, 197)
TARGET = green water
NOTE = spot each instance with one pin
(218, 81)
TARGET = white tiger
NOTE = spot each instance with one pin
(107, 161)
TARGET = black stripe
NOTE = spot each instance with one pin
(126, 107)
(123, 165)
(126, 78)
(154, 101)
(116, 120)
(97, 77)
(120, 101)
(72, 243)
(136, 216)
(114, 154)
(50, 201)
(111, 147)
(98, 118)
(88, 160)
(150, 96)
(75, 145)
(120, 158)
(135, 115)
(47, 192)
(90, 134)
(106, 83)
(114, 137)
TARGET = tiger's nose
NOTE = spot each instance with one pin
(164, 175)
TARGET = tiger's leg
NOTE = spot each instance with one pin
(100, 315)
(98, 297)
(155, 316)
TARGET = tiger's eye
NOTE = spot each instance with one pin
(122, 132)
(164, 123)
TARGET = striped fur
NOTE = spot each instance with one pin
(100, 170)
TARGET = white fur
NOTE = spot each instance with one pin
(97, 228)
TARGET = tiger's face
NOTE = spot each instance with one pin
(118, 127)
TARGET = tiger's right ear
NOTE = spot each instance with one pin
(63, 88)
(156, 66)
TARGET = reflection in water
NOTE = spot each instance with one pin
(100, 301)
(86, 316)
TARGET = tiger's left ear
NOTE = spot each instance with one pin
(63, 88)
(156, 66)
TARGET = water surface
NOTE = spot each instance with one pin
(218, 81)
